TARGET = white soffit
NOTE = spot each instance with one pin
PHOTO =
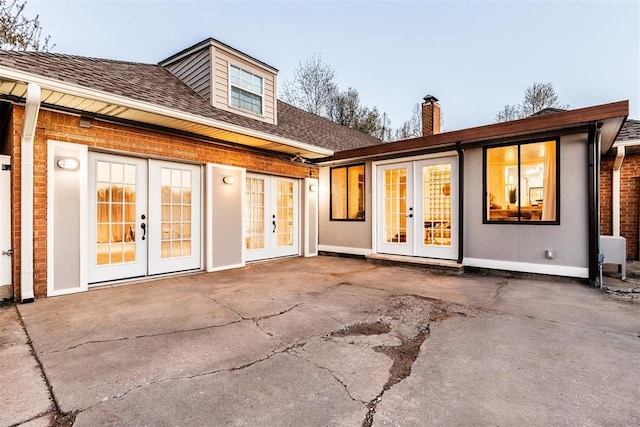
(80, 98)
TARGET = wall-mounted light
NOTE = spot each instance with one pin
(228, 180)
(313, 188)
(68, 163)
(84, 123)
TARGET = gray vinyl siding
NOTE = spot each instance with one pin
(195, 71)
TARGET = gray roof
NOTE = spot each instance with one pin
(154, 84)
(630, 131)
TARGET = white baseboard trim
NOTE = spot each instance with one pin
(344, 250)
(226, 267)
(525, 267)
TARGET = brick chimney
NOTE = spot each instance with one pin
(430, 116)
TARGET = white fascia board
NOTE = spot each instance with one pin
(97, 95)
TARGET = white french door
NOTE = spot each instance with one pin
(418, 208)
(144, 217)
(5, 221)
(174, 220)
(117, 217)
(271, 222)
(395, 209)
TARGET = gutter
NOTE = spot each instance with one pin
(106, 97)
(460, 151)
(593, 166)
(615, 190)
(31, 111)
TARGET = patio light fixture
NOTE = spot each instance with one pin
(68, 163)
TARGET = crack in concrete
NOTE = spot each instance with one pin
(333, 374)
(330, 316)
(501, 284)
(135, 337)
(57, 412)
(188, 377)
(332, 287)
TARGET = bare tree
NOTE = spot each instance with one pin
(508, 113)
(18, 32)
(413, 127)
(537, 97)
(312, 87)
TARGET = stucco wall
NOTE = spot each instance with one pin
(527, 243)
(344, 234)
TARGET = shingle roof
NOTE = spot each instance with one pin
(154, 84)
(548, 110)
(630, 130)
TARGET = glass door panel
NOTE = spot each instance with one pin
(437, 190)
(117, 204)
(271, 220)
(174, 220)
(255, 219)
(395, 207)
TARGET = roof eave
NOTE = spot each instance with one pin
(125, 102)
(613, 113)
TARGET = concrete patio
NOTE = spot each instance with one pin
(324, 341)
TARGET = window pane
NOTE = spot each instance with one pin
(339, 193)
(521, 182)
(356, 192)
(246, 90)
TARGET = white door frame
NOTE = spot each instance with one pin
(435, 250)
(376, 199)
(138, 268)
(271, 220)
(403, 236)
(5, 222)
(157, 263)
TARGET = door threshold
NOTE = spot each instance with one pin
(141, 279)
(433, 264)
(260, 261)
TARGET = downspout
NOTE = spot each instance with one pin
(615, 190)
(593, 144)
(460, 202)
(31, 109)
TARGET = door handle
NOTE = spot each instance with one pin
(274, 224)
(144, 230)
(8, 253)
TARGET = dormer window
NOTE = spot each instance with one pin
(246, 90)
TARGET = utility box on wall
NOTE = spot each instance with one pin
(614, 249)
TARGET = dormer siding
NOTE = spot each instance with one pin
(206, 67)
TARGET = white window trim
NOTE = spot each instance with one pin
(261, 95)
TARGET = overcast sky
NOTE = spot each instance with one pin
(474, 56)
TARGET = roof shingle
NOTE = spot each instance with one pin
(154, 84)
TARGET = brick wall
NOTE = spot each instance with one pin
(120, 139)
(629, 200)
